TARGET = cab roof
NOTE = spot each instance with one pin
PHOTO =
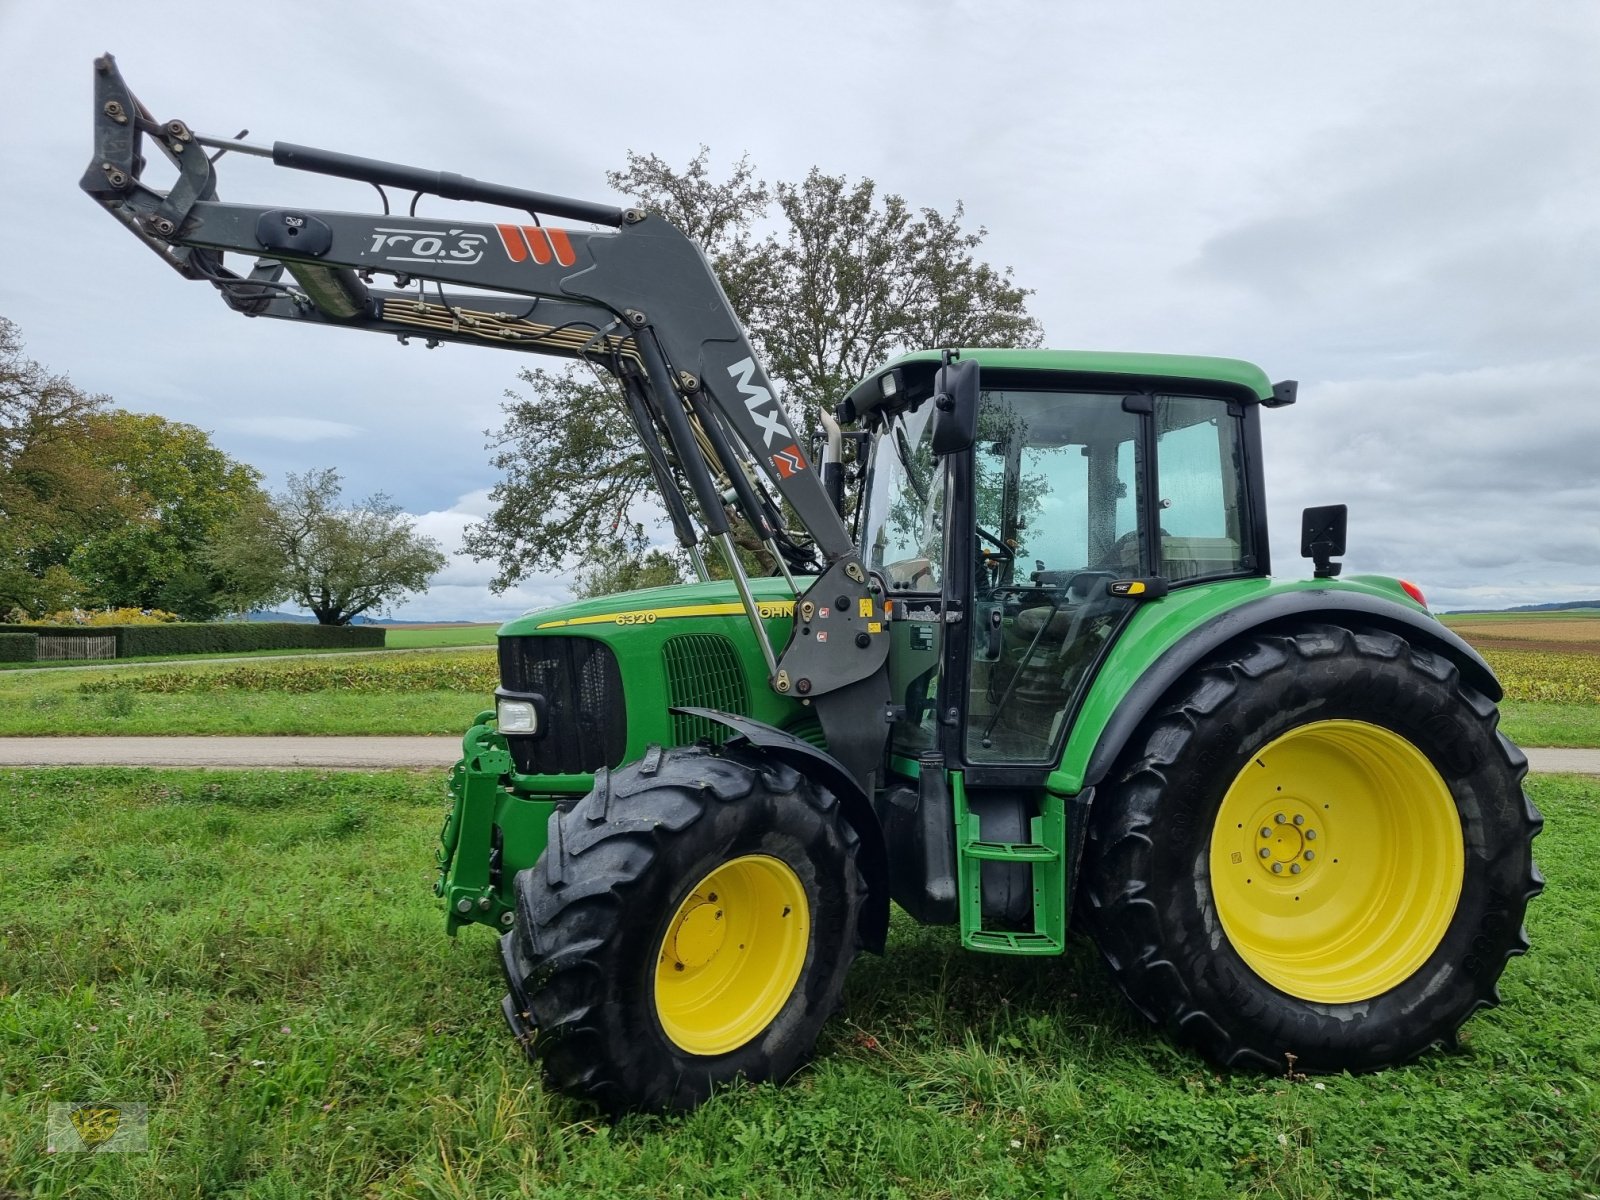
(1233, 374)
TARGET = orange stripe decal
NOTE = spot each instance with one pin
(538, 243)
(511, 239)
(562, 246)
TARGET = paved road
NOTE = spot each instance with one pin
(373, 753)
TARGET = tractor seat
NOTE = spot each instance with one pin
(1031, 620)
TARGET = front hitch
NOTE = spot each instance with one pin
(467, 842)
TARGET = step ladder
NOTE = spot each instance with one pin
(1046, 857)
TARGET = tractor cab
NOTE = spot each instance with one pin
(1092, 483)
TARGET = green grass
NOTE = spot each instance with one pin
(120, 702)
(1561, 614)
(257, 956)
(1530, 723)
(464, 635)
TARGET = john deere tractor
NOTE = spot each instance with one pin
(1041, 671)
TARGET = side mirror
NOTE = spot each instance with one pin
(955, 401)
(1322, 538)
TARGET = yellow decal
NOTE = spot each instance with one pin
(866, 606)
(874, 626)
(649, 616)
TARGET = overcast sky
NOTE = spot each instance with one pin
(1397, 204)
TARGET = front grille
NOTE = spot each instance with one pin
(585, 717)
(703, 672)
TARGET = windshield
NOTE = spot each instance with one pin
(905, 505)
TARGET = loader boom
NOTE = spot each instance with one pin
(636, 298)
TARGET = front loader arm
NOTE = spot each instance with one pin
(637, 297)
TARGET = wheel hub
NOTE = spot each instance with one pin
(698, 934)
(731, 954)
(1336, 861)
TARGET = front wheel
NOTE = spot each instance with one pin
(1318, 847)
(691, 922)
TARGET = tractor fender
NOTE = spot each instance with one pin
(854, 803)
(1335, 606)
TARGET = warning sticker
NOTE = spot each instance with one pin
(874, 626)
(866, 606)
(822, 613)
(822, 635)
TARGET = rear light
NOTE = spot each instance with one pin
(1414, 592)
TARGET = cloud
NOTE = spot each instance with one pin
(1392, 203)
(292, 429)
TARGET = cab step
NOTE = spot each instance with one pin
(1045, 854)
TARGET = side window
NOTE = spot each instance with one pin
(1200, 466)
(905, 506)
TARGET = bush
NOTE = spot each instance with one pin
(237, 637)
(109, 616)
(18, 647)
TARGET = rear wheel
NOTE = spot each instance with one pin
(1319, 847)
(691, 923)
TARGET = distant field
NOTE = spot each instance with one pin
(1574, 632)
(412, 637)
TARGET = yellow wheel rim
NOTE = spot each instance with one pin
(732, 954)
(1336, 861)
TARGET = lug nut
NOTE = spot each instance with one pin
(1309, 855)
(1299, 819)
(1265, 853)
(1294, 868)
(1266, 831)
(1311, 835)
(1279, 819)
(1277, 868)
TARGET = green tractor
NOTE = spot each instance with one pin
(1041, 673)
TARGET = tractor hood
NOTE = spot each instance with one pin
(650, 605)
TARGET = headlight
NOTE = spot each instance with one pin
(517, 716)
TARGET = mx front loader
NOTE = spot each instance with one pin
(1043, 672)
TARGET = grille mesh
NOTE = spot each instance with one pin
(703, 672)
(586, 718)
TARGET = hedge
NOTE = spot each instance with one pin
(179, 638)
(18, 647)
(231, 636)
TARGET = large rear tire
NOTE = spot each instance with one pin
(1319, 846)
(690, 923)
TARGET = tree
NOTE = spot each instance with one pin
(177, 492)
(104, 507)
(42, 489)
(846, 279)
(626, 565)
(337, 562)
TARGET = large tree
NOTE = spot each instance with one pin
(45, 490)
(842, 278)
(104, 507)
(339, 562)
(176, 493)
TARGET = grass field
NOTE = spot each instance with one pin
(259, 959)
(409, 638)
(425, 693)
